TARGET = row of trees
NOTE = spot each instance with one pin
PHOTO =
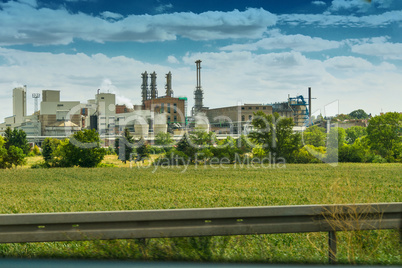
(381, 141)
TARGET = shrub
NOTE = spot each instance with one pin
(83, 150)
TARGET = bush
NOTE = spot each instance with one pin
(83, 150)
(173, 157)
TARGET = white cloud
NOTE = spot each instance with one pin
(107, 86)
(47, 26)
(319, 3)
(350, 5)
(348, 63)
(162, 8)
(359, 5)
(351, 21)
(296, 42)
(390, 51)
(172, 59)
(227, 77)
(110, 15)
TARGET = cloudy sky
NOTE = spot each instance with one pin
(254, 51)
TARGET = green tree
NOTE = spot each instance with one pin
(186, 147)
(128, 146)
(17, 138)
(226, 149)
(35, 150)
(353, 133)
(276, 135)
(3, 154)
(49, 145)
(244, 144)
(200, 137)
(11, 156)
(163, 139)
(315, 136)
(359, 114)
(384, 135)
(83, 150)
(15, 156)
(143, 151)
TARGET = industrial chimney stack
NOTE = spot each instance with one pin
(169, 91)
(144, 87)
(198, 93)
(154, 91)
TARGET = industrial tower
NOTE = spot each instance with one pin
(198, 93)
(169, 91)
(144, 87)
(154, 91)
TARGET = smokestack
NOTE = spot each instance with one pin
(169, 91)
(154, 91)
(198, 93)
(309, 106)
(144, 87)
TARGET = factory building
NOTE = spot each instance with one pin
(19, 104)
(234, 118)
(174, 108)
(156, 113)
(54, 113)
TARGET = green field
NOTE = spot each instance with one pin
(100, 189)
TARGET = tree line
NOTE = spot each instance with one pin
(272, 135)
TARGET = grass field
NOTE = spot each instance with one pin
(76, 189)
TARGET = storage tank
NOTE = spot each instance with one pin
(141, 129)
(160, 125)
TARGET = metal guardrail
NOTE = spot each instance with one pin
(43, 227)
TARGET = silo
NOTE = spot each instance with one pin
(160, 125)
(141, 129)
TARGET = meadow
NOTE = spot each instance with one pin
(26, 190)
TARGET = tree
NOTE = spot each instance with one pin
(3, 154)
(244, 144)
(83, 150)
(11, 156)
(200, 137)
(15, 156)
(17, 138)
(276, 135)
(163, 139)
(128, 146)
(353, 133)
(384, 135)
(359, 114)
(315, 136)
(226, 149)
(49, 145)
(186, 147)
(143, 151)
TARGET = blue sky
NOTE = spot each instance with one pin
(253, 51)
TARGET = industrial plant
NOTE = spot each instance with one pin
(156, 113)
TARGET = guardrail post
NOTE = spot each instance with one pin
(332, 247)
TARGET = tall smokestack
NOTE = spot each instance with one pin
(169, 91)
(198, 93)
(309, 106)
(154, 91)
(144, 87)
